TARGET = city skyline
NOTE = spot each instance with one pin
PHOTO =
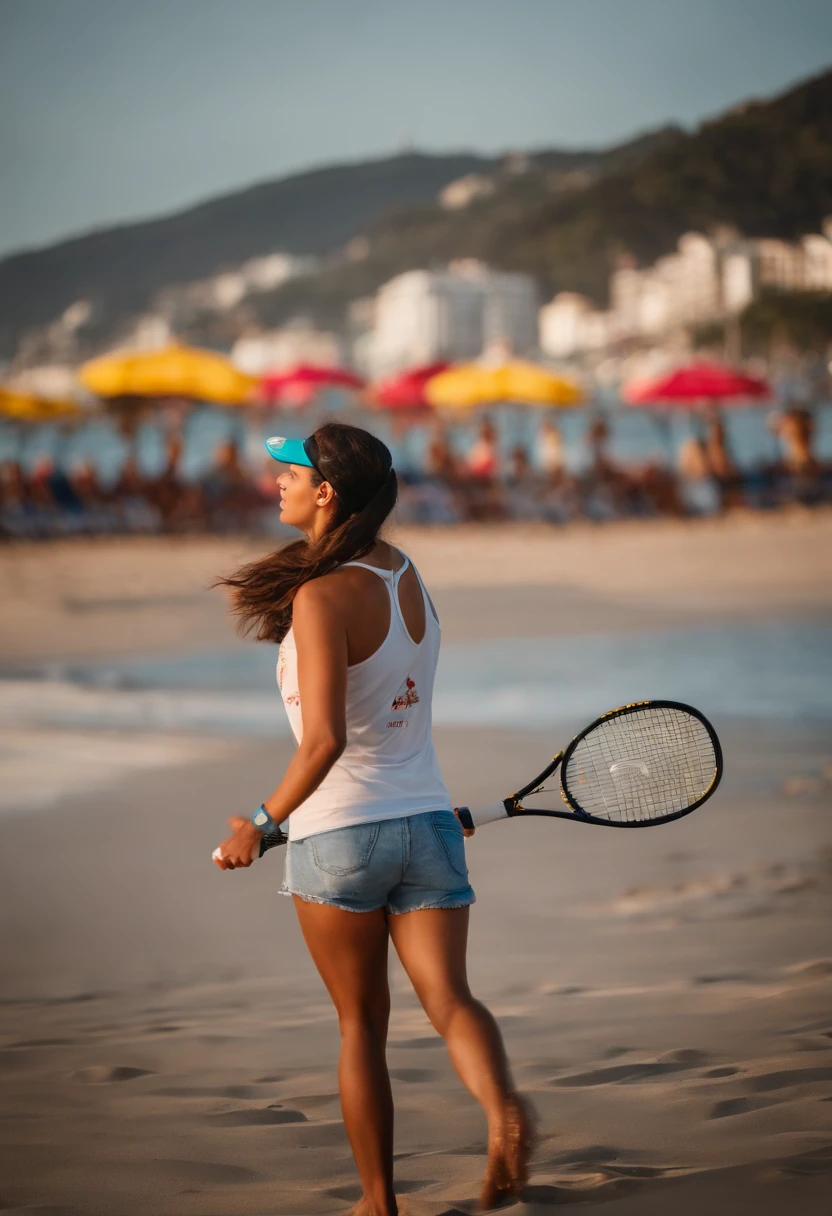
(105, 123)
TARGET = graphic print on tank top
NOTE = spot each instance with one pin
(406, 696)
(292, 698)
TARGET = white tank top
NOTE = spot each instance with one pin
(388, 768)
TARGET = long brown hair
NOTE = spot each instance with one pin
(361, 468)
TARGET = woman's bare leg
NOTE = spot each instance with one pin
(432, 945)
(350, 951)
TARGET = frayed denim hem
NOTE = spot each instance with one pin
(462, 903)
(328, 903)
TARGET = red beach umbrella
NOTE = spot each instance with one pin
(406, 391)
(298, 384)
(713, 382)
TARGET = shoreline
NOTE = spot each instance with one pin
(98, 597)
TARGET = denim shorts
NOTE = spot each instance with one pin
(402, 865)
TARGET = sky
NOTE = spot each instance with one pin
(116, 110)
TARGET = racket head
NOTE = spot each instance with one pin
(641, 764)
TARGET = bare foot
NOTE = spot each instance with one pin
(521, 1140)
(509, 1153)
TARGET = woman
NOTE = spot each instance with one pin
(374, 852)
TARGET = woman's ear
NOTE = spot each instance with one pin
(325, 494)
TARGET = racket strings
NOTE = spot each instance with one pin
(641, 766)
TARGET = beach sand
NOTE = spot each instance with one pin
(166, 1046)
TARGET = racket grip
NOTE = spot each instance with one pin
(475, 817)
(269, 840)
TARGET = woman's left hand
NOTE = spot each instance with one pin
(240, 849)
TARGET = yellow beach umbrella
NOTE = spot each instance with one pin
(472, 384)
(174, 371)
(25, 407)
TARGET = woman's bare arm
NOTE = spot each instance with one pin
(319, 629)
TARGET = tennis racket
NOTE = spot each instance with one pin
(637, 766)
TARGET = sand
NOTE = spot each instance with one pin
(74, 599)
(166, 1046)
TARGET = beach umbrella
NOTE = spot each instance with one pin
(712, 383)
(24, 410)
(406, 390)
(297, 385)
(26, 407)
(472, 384)
(175, 371)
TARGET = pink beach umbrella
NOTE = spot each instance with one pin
(406, 391)
(297, 385)
(689, 386)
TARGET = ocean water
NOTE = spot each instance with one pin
(771, 671)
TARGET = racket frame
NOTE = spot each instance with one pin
(514, 806)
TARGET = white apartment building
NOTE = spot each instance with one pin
(703, 281)
(680, 289)
(571, 322)
(297, 342)
(425, 315)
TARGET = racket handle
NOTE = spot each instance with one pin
(475, 817)
(269, 840)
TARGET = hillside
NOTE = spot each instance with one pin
(120, 269)
(765, 168)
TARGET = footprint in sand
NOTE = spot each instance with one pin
(268, 1115)
(807, 1165)
(729, 1107)
(404, 1186)
(103, 1074)
(793, 1076)
(433, 1041)
(213, 1172)
(675, 1061)
(45, 1043)
(592, 1186)
(313, 1101)
(727, 977)
(46, 1210)
(209, 1091)
(412, 1074)
(591, 1154)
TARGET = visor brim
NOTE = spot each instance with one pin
(288, 451)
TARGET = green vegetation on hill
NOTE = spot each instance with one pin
(121, 269)
(764, 168)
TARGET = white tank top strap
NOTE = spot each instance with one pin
(391, 579)
(395, 575)
(425, 595)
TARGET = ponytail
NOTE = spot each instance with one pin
(263, 591)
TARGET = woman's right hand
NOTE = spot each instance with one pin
(466, 832)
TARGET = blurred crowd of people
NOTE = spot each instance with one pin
(538, 485)
(50, 501)
(484, 484)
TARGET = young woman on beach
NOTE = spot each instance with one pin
(375, 851)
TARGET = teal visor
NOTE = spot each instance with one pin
(289, 451)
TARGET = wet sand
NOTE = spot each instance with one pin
(167, 1048)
